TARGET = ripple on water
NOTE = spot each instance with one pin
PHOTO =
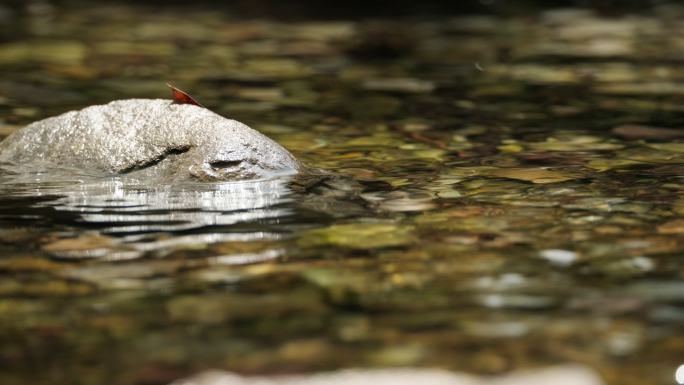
(126, 214)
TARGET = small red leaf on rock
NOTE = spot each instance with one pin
(182, 97)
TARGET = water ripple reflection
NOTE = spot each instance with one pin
(136, 208)
(199, 213)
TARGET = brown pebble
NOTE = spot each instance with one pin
(635, 131)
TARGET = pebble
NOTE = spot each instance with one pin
(559, 257)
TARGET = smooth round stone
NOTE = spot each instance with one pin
(148, 138)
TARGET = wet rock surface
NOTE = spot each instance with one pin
(154, 139)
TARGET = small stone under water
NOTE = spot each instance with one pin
(560, 375)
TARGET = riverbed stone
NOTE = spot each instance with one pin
(150, 138)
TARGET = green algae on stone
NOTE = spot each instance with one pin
(574, 143)
(58, 52)
(359, 235)
(535, 175)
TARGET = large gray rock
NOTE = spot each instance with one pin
(149, 139)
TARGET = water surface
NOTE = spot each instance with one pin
(507, 195)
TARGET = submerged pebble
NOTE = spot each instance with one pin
(559, 257)
(562, 375)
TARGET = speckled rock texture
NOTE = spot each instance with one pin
(149, 139)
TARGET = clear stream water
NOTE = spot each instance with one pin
(506, 193)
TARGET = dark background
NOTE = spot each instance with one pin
(364, 9)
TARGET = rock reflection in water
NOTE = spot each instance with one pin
(131, 218)
(138, 208)
(125, 206)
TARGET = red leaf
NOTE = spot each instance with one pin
(182, 97)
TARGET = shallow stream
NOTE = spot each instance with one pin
(506, 193)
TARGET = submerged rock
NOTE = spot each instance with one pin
(558, 375)
(148, 138)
